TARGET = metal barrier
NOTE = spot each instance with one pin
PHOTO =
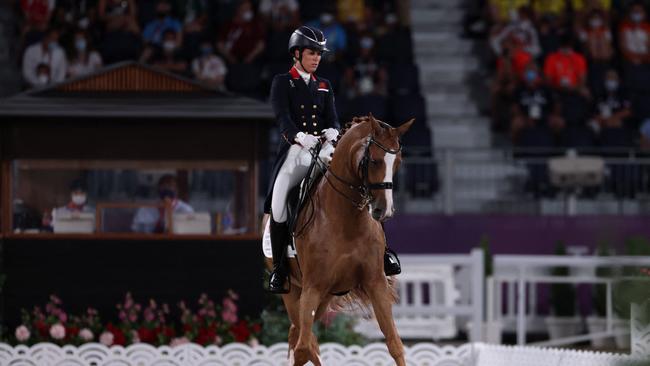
(517, 181)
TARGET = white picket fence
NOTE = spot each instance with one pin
(434, 291)
(238, 354)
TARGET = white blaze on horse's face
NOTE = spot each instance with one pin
(389, 160)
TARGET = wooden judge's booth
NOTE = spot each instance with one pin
(118, 131)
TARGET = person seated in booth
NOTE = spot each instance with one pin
(78, 199)
(153, 219)
(77, 216)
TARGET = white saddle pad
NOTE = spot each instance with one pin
(266, 243)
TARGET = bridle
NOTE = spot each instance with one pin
(365, 188)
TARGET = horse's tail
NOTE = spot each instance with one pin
(358, 301)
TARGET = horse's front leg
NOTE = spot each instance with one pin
(305, 349)
(381, 299)
(292, 304)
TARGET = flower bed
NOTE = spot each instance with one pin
(156, 324)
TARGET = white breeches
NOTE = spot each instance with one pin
(293, 170)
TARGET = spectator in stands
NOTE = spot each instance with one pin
(550, 34)
(153, 31)
(596, 38)
(510, 68)
(611, 110)
(209, 68)
(394, 44)
(242, 40)
(335, 34)
(118, 15)
(369, 77)
(154, 219)
(501, 11)
(168, 56)
(566, 69)
(48, 53)
(195, 19)
(533, 101)
(645, 135)
(121, 38)
(83, 57)
(634, 39)
(522, 29)
(37, 14)
(282, 12)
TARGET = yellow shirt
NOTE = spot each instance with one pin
(502, 8)
(350, 10)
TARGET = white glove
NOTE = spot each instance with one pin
(330, 134)
(307, 141)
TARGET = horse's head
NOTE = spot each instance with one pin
(378, 161)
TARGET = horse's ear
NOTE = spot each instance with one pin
(373, 122)
(401, 130)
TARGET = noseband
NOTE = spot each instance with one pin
(365, 188)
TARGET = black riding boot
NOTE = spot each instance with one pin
(392, 266)
(279, 236)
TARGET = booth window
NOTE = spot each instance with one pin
(140, 197)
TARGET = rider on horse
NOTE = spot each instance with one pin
(304, 107)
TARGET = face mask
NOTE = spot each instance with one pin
(637, 17)
(79, 199)
(80, 44)
(366, 86)
(326, 18)
(43, 79)
(611, 84)
(531, 75)
(391, 19)
(166, 193)
(596, 23)
(169, 46)
(83, 23)
(247, 16)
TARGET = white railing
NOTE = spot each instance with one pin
(435, 290)
(520, 274)
(237, 354)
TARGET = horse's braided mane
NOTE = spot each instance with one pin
(357, 120)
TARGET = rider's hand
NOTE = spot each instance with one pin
(331, 134)
(307, 141)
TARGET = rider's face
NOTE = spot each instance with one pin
(310, 59)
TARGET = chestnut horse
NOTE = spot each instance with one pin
(341, 249)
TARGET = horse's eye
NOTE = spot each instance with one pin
(374, 162)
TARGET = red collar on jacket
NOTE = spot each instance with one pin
(294, 74)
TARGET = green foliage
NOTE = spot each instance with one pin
(600, 290)
(563, 295)
(626, 292)
(488, 265)
(336, 327)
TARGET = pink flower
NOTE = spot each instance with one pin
(122, 316)
(63, 317)
(22, 333)
(57, 331)
(86, 334)
(229, 305)
(229, 317)
(218, 340)
(106, 338)
(233, 295)
(179, 341)
(253, 342)
(133, 317)
(149, 316)
(55, 299)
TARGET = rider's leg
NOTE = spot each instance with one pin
(292, 171)
(392, 265)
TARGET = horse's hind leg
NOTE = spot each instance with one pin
(305, 349)
(381, 298)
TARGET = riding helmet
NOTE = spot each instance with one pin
(307, 37)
